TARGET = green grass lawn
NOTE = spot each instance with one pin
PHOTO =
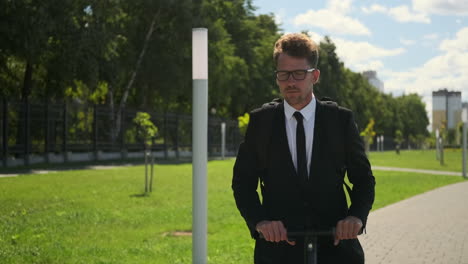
(418, 159)
(100, 216)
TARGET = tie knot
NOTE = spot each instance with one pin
(298, 116)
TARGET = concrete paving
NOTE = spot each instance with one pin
(428, 228)
(451, 173)
(8, 175)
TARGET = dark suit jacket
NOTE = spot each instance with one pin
(316, 203)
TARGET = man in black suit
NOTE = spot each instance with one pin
(299, 151)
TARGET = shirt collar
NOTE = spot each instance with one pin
(307, 111)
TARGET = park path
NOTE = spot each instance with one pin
(90, 167)
(428, 228)
(451, 173)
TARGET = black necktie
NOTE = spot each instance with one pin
(301, 147)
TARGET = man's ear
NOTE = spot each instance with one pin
(316, 75)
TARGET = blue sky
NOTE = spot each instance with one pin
(416, 46)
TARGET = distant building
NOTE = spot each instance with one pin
(446, 106)
(371, 77)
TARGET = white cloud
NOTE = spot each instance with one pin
(332, 22)
(374, 65)
(360, 56)
(333, 19)
(374, 9)
(340, 6)
(315, 37)
(459, 44)
(362, 53)
(279, 16)
(407, 42)
(403, 14)
(429, 41)
(400, 13)
(447, 70)
(442, 7)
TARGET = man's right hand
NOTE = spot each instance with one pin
(273, 231)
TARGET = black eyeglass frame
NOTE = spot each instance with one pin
(304, 72)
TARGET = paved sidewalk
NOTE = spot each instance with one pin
(451, 173)
(428, 228)
(90, 167)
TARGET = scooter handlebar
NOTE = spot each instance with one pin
(293, 235)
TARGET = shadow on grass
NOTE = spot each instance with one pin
(140, 195)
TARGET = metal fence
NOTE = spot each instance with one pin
(64, 132)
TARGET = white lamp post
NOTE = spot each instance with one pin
(223, 140)
(437, 144)
(378, 143)
(382, 142)
(465, 124)
(199, 144)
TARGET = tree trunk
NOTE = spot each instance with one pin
(112, 116)
(25, 92)
(123, 101)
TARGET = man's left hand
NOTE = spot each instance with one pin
(347, 228)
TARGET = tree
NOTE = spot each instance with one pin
(138, 54)
(146, 131)
(331, 73)
(398, 140)
(240, 64)
(368, 134)
(413, 116)
(243, 123)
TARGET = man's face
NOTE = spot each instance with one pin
(298, 93)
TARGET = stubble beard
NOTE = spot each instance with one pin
(300, 100)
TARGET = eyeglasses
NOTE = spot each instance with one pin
(298, 75)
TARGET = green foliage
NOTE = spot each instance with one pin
(430, 141)
(413, 115)
(243, 123)
(88, 51)
(146, 130)
(80, 91)
(398, 137)
(240, 64)
(458, 133)
(368, 134)
(131, 135)
(98, 96)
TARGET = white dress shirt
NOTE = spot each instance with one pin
(308, 113)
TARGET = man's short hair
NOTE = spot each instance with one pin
(297, 45)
